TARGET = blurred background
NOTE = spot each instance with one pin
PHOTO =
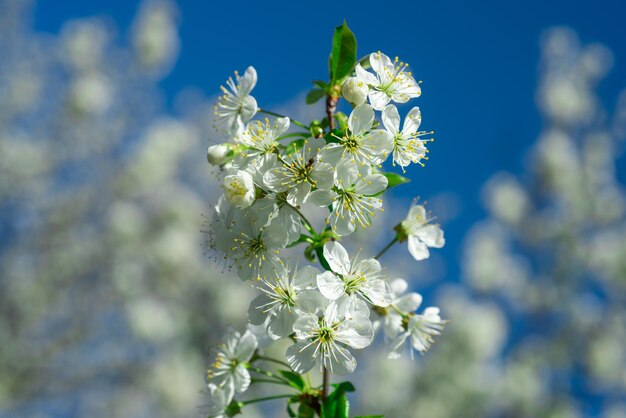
(108, 304)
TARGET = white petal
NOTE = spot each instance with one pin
(381, 63)
(241, 378)
(378, 99)
(371, 185)
(256, 311)
(342, 362)
(396, 347)
(305, 278)
(412, 121)
(246, 346)
(347, 173)
(398, 286)
(337, 257)
(331, 154)
(358, 334)
(365, 76)
(361, 119)
(281, 324)
(391, 119)
(342, 226)
(329, 285)
(300, 357)
(378, 292)
(409, 302)
(248, 81)
(417, 248)
(305, 324)
(290, 222)
(431, 235)
(322, 198)
(323, 174)
(349, 306)
(281, 125)
(311, 301)
(393, 325)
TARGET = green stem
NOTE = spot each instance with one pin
(268, 374)
(276, 382)
(291, 135)
(278, 115)
(267, 398)
(273, 360)
(306, 222)
(384, 250)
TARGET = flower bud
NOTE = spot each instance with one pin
(239, 189)
(218, 154)
(355, 91)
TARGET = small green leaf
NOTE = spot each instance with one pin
(394, 179)
(337, 404)
(321, 84)
(295, 380)
(305, 411)
(234, 408)
(345, 386)
(343, 55)
(314, 95)
(293, 146)
(290, 411)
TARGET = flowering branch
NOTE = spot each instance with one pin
(268, 186)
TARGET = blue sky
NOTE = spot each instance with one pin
(478, 61)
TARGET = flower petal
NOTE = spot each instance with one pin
(246, 346)
(412, 121)
(361, 119)
(417, 248)
(337, 257)
(330, 285)
(257, 312)
(301, 357)
(431, 235)
(391, 119)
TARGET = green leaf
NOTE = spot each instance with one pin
(314, 95)
(343, 55)
(394, 180)
(305, 411)
(234, 408)
(293, 146)
(333, 136)
(295, 380)
(345, 386)
(321, 84)
(290, 411)
(337, 404)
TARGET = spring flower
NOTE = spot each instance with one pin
(355, 91)
(284, 298)
(348, 277)
(391, 82)
(419, 233)
(245, 241)
(326, 340)
(361, 144)
(281, 215)
(219, 399)
(421, 329)
(239, 189)
(352, 199)
(218, 154)
(300, 172)
(229, 370)
(261, 137)
(407, 147)
(401, 305)
(236, 106)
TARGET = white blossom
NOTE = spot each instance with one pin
(391, 82)
(325, 341)
(401, 305)
(301, 171)
(239, 189)
(353, 199)
(218, 154)
(407, 145)
(348, 277)
(421, 329)
(361, 144)
(236, 107)
(229, 371)
(420, 234)
(284, 297)
(355, 91)
(218, 400)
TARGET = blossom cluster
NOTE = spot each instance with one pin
(273, 170)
